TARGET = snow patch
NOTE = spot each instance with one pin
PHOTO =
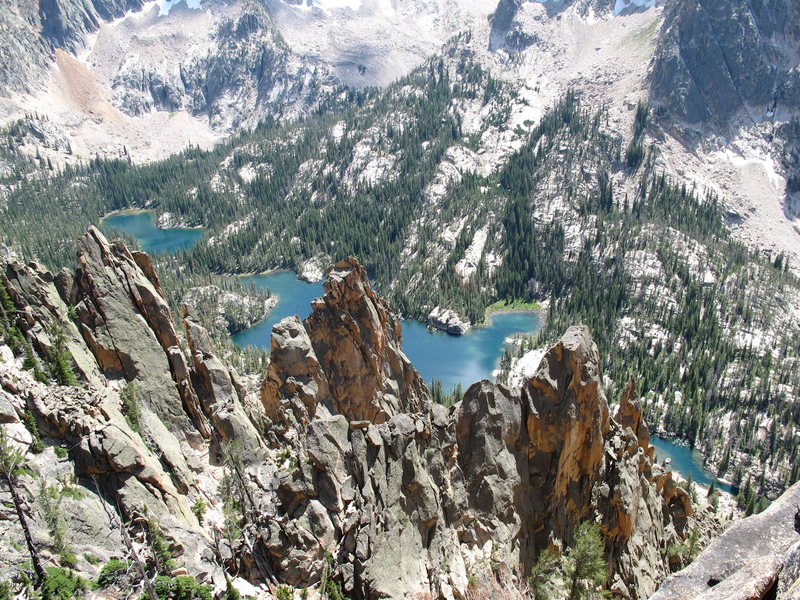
(248, 173)
(623, 5)
(328, 6)
(164, 6)
(619, 7)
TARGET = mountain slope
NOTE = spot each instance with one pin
(407, 501)
(32, 33)
(726, 77)
(444, 179)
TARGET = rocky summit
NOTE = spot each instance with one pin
(343, 468)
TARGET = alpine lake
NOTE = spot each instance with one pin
(453, 360)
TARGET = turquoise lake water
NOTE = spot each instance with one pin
(451, 359)
(686, 461)
(142, 226)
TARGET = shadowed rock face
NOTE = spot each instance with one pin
(747, 561)
(716, 58)
(347, 354)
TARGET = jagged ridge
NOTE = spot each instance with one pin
(408, 496)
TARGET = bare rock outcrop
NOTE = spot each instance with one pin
(127, 324)
(747, 561)
(143, 457)
(219, 392)
(41, 307)
(418, 503)
(112, 466)
(385, 497)
(295, 383)
(411, 499)
(567, 421)
(356, 342)
(448, 320)
(716, 58)
(629, 414)
(537, 464)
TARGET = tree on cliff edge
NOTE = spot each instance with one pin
(585, 566)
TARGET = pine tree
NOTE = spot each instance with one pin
(543, 581)
(585, 566)
(59, 357)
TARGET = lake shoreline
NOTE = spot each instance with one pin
(683, 465)
(140, 211)
(453, 360)
(125, 211)
(537, 308)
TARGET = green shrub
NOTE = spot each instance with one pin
(91, 559)
(31, 364)
(69, 558)
(61, 452)
(32, 426)
(59, 357)
(231, 593)
(180, 588)
(199, 509)
(284, 592)
(62, 584)
(112, 571)
(160, 547)
(131, 409)
(50, 498)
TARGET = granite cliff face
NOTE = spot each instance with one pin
(407, 496)
(234, 69)
(33, 30)
(414, 499)
(346, 356)
(717, 59)
(121, 340)
(756, 558)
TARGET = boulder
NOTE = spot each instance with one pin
(346, 355)
(745, 561)
(448, 320)
(313, 269)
